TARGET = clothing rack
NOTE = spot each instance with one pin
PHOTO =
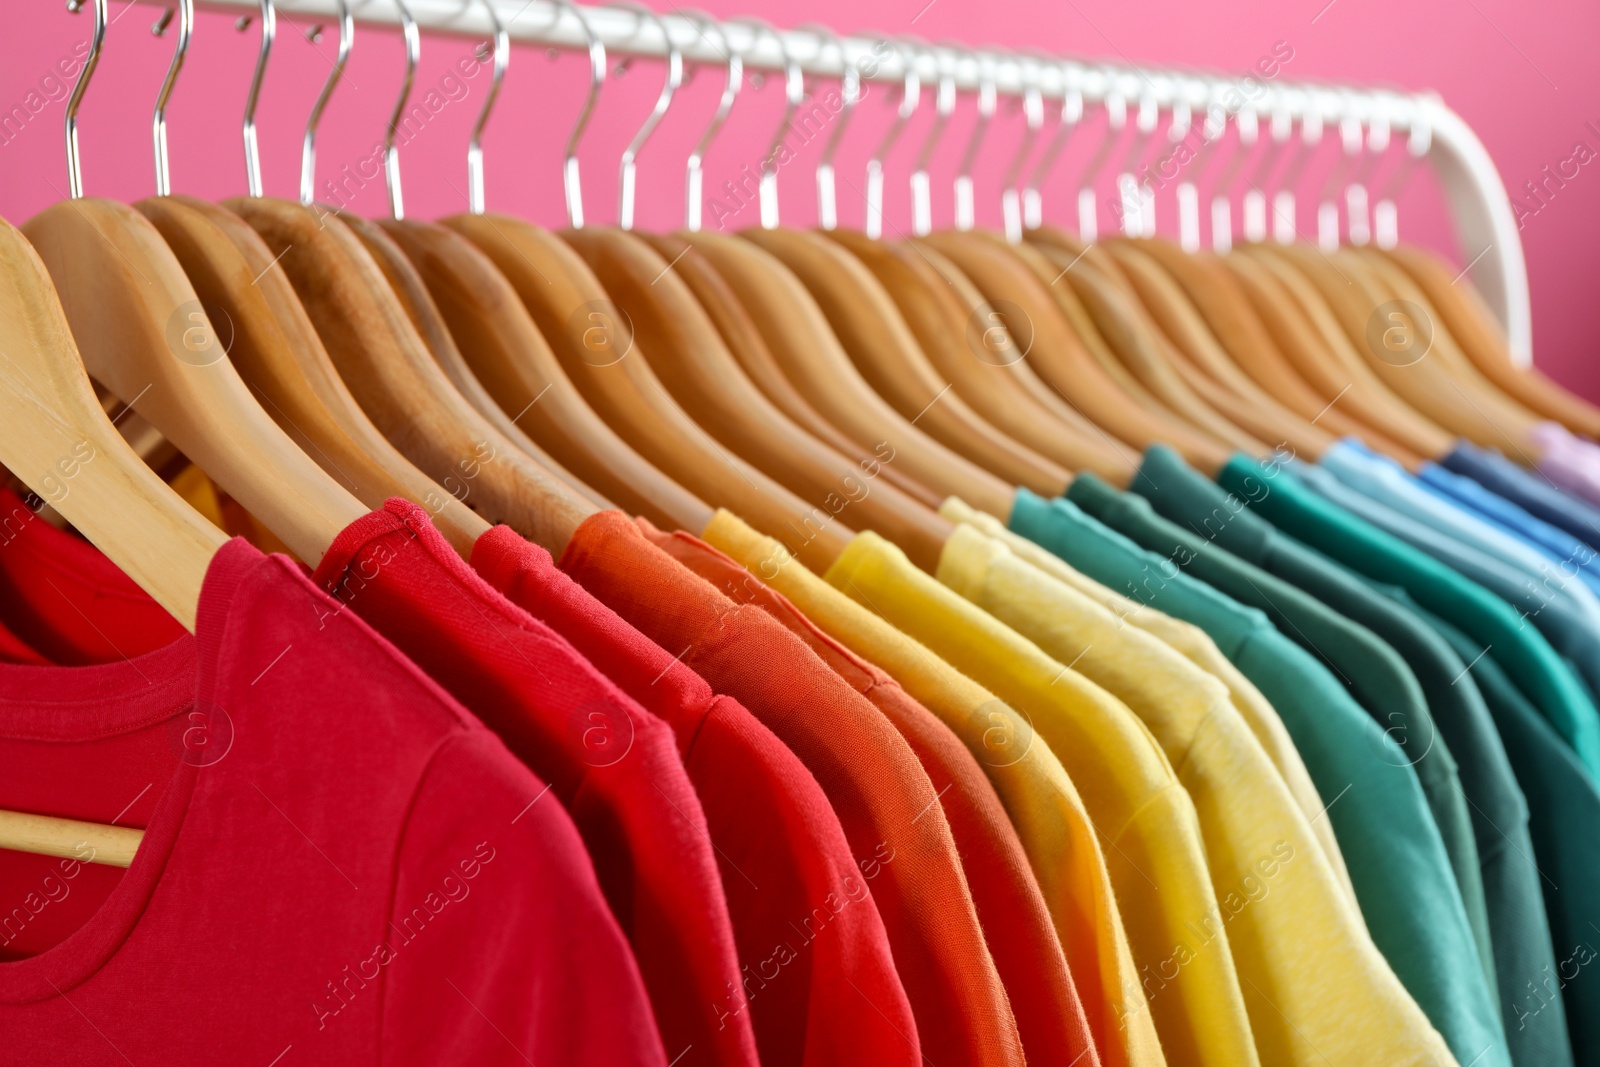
(1479, 204)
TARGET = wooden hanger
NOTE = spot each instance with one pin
(1059, 357)
(1483, 341)
(1092, 275)
(1207, 319)
(940, 308)
(511, 358)
(1297, 342)
(1345, 373)
(883, 348)
(745, 343)
(797, 333)
(411, 291)
(56, 437)
(690, 358)
(397, 382)
(278, 354)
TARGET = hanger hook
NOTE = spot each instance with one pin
(850, 95)
(794, 88)
(944, 104)
(571, 180)
(308, 147)
(1033, 116)
(502, 60)
(391, 153)
(74, 160)
(158, 122)
(252, 151)
(910, 96)
(694, 186)
(986, 103)
(1071, 115)
(629, 170)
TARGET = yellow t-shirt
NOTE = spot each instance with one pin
(1148, 828)
(1194, 644)
(1317, 989)
(1042, 802)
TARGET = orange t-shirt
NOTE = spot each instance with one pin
(1011, 907)
(884, 799)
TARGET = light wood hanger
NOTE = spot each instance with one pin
(144, 334)
(1296, 341)
(1208, 319)
(940, 308)
(1482, 340)
(57, 439)
(1058, 355)
(884, 349)
(1344, 373)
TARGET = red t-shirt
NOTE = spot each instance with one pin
(340, 864)
(780, 848)
(888, 807)
(1016, 921)
(614, 765)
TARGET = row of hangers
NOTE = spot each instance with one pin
(814, 382)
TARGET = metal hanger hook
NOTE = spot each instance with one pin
(628, 176)
(850, 95)
(502, 60)
(910, 96)
(1033, 117)
(252, 151)
(794, 88)
(944, 103)
(74, 159)
(1071, 115)
(391, 153)
(308, 146)
(965, 213)
(695, 168)
(571, 179)
(158, 121)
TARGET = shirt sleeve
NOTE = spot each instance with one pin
(500, 948)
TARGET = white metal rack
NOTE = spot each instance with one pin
(1479, 205)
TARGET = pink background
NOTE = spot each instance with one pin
(1524, 76)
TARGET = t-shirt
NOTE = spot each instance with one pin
(614, 765)
(1043, 804)
(1533, 666)
(1570, 554)
(779, 846)
(1540, 497)
(1011, 909)
(1552, 612)
(884, 799)
(1195, 645)
(1373, 672)
(1353, 763)
(1564, 811)
(1512, 905)
(1303, 921)
(339, 863)
(1570, 462)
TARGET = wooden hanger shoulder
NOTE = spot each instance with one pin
(277, 353)
(389, 371)
(144, 334)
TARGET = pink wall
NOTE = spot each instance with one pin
(1523, 76)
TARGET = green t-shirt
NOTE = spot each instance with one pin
(1391, 845)
(1272, 490)
(1373, 672)
(1564, 818)
(1512, 898)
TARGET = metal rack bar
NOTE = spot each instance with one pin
(1480, 207)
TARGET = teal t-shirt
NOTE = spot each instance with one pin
(1391, 845)
(1564, 818)
(1273, 491)
(1513, 901)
